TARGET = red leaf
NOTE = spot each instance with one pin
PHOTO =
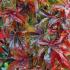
(53, 56)
(18, 17)
(1, 50)
(31, 6)
(2, 36)
(42, 1)
(65, 51)
(19, 54)
(54, 67)
(63, 60)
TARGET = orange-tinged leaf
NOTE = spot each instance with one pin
(67, 43)
(29, 28)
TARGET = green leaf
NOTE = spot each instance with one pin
(1, 22)
(8, 4)
(52, 1)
